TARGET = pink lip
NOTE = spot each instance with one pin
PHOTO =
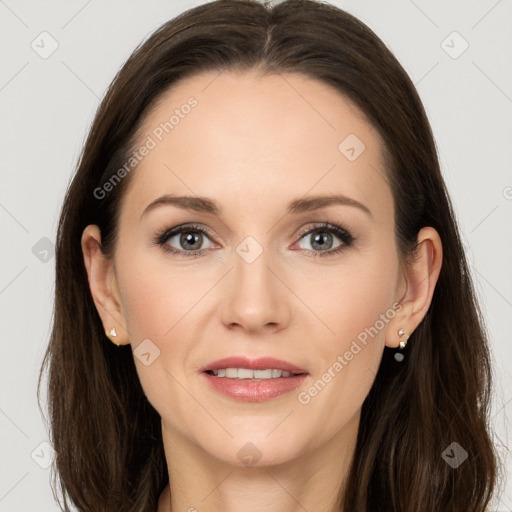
(249, 390)
(254, 390)
(262, 363)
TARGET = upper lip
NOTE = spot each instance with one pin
(261, 363)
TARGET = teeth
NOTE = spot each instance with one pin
(261, 374)
(246, 373)
(242, 373)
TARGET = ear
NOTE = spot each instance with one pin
(421, 276)
(103, 285)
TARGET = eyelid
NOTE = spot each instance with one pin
(344, 235)
(164, 235)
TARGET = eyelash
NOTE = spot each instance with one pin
(161, 238)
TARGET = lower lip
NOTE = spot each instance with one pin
(254, 390)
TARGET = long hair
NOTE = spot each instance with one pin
(107, 436)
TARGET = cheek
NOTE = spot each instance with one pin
(143, 304)
(355, 308)
(352, 298)
(155, 305)
(154, 298)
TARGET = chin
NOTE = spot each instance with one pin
(255, 451)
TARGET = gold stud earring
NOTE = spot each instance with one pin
(405, 337)
(112, 334)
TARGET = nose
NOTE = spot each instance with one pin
(256, 297)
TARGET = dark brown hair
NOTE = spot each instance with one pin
(106, 435)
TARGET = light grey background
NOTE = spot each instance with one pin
(47, 105)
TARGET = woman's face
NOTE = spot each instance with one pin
(269, 281)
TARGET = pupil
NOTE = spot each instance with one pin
(188, 237)
(321, 237)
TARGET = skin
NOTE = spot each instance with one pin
(254, 143)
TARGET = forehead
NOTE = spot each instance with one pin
(249, 139)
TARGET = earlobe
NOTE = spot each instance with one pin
(102, 284)
(421, 276)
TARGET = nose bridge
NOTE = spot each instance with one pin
(254, 298)
(251, 262)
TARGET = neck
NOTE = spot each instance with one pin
(309, 481)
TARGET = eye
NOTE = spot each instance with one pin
(189, 240)
(323, 239)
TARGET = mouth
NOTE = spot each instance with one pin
(247, 373)
(253, 380)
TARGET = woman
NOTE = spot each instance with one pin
(260, 214)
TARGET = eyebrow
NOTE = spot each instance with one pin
(207, 205)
